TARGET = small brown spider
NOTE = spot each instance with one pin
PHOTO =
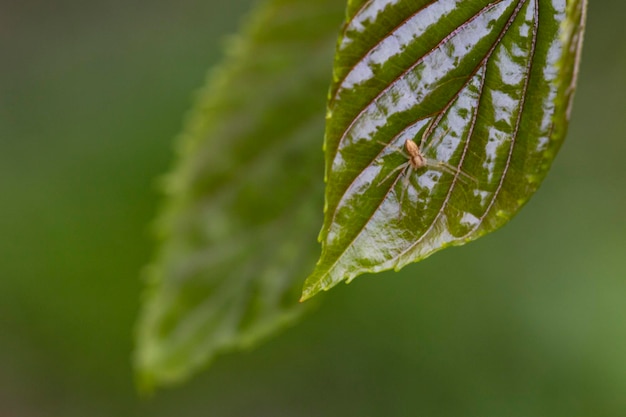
(416, 160)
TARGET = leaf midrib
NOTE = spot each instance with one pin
(503, 32)
(411, 67)
(513, 136)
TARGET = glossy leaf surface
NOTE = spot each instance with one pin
(238, 233)
(483, 87)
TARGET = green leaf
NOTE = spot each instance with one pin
(483, 87)
(243, 208)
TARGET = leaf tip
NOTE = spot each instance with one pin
(309, 291)
(314, 284)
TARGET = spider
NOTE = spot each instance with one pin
(416, 160)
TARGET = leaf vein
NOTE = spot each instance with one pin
(375, 210)
(518, 121)
(456, 175)
(369, 51)
(415, 64)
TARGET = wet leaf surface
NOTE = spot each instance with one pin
(484, 88)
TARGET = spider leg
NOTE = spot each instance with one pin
(463, 175)
(395, 148)
(445, 167)
(405, 185)
(396, 169)
(435, 140)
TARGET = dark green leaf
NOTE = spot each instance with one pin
(484, 87)
(244, 199)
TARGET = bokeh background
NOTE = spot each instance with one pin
(529, 321)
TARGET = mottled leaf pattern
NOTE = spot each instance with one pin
(484, 87)
(244, 200)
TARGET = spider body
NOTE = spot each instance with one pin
(416, 159)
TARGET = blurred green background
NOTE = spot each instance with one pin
(529, 321)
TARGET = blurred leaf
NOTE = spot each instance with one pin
(238, 232)
(484, 87)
